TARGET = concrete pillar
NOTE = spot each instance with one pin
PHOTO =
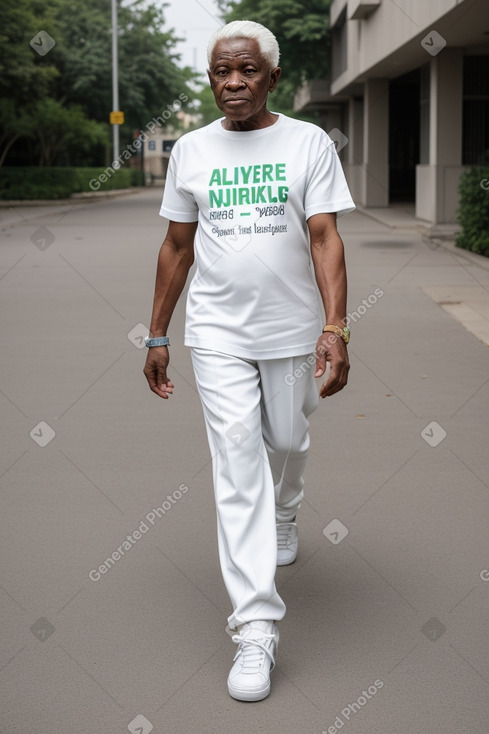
(446, 90)
(376, 143)
(353, 152)
(437, 182)
(355, 131)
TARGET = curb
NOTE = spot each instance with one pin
(472, 257)
(75, 198)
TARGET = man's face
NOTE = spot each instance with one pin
(241, 78)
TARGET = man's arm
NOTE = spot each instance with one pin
(174, 261)
(329, 267)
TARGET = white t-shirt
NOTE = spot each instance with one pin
(254, 293)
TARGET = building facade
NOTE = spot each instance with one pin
(408, 103)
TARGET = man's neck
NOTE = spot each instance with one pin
(266, 119)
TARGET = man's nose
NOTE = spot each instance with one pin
(234, 80)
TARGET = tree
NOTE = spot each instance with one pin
(149, 77)
(14, 124)
(208, 111)
(25, 77)
(302, 31)
(76, 74)
(66, 130)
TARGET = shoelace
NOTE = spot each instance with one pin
(284, 531)
(253, 652)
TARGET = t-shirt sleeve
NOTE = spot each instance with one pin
(178, 203)
(326, 188)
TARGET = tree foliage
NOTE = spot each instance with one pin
(66, 130)
(473, 212)
(74, 80)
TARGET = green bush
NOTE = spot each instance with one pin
(36, 183)
(137, 177)
(101, 179)
(473, 212)
(50, 182)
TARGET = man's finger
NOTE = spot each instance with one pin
(336, 381)
(320, 363)
(163, 389)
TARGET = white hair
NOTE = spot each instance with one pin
(248, 29)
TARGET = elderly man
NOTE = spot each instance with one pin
(253, 197)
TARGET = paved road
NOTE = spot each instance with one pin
(387, 630)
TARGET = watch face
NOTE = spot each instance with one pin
(346, 334)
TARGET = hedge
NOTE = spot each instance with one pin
(473, 211)
(48, 182)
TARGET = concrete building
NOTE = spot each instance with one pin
(408, 101)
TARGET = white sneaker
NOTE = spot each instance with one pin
(249, 678)
(287, 543)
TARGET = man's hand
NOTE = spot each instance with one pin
(157, 361)
(331, 348)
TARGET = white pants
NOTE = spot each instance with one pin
(256, 419)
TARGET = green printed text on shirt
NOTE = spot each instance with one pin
(257, 184)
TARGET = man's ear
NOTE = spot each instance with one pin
(274, 77)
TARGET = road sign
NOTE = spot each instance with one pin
(117, 118)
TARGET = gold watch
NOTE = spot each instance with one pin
(343, 332)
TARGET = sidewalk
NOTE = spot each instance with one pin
(469, 304)
(113, 606)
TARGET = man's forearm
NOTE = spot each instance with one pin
(171, 275)
(330, 271)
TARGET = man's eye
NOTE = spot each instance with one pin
(249, 71)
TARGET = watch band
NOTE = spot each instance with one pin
(157, 341)
(344, 332)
